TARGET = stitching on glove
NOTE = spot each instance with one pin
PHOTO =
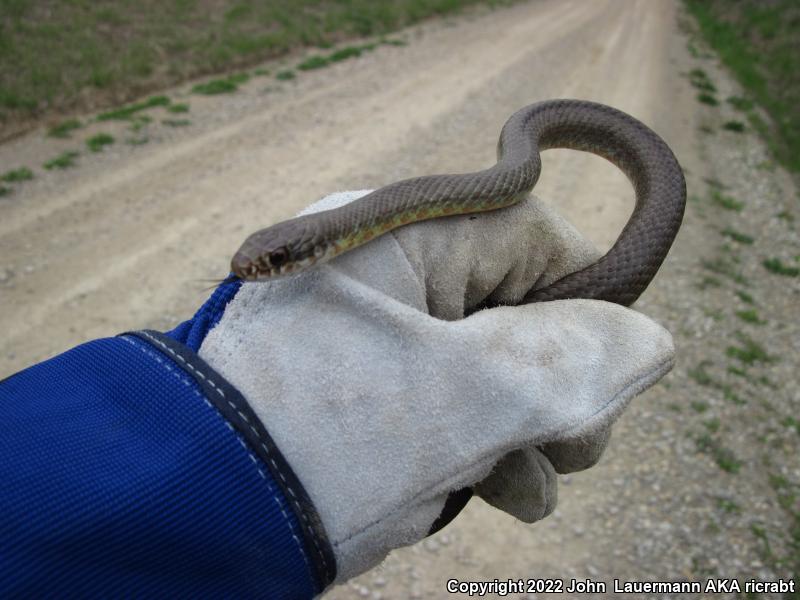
(263, 442)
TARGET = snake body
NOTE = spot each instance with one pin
(620, 276)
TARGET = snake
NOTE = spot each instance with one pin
(620, 276)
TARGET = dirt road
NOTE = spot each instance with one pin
(124, 239)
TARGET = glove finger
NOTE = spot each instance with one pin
(523, 484)
(496, 257)
(568, 456)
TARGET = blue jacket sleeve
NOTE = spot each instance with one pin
(128, 467)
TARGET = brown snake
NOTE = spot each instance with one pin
(620, 276)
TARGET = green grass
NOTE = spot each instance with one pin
(178, 108)
(226, 85)
(700, 80)
(707, 98)
(176, 122)
(64, 129)
(313, 62)
(749, 352)
(757, 41)
(724, 267)
(737, 236)
(4, 191)
(126, 112)
(745, 297)
(724, 457)
(736, 126)
(739, 103)
(16, 175)
(74, 55)
(65, 160)
(726, 202)
(285, 75)
(750, 316)
(775, 265)
(345, 53)
(96, 143)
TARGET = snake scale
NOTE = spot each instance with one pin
(620, 276)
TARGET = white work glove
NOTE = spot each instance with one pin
(383, 399)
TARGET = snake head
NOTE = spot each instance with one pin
(283, 249)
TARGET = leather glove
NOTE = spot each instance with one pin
(383, 399)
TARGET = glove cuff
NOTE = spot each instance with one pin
(240, 417)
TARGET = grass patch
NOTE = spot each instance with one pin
(738, 372)
(724, 457)
(757, 41)
(712, 425)
(65, 160)
(707, 98)
(722, 266)
(737, 236)
(285, 75)
(785, 215)
(313, 62)
(176, 122)
(96, 143)
(700, 375)
(728, 506)
(775, 265)
(4, 191)
(709, 282)
(745, 297)
(726, 202)
(699, 406)
(736, 126)
(17, 175)
(345, 53)
(750, 316)
(700, 80)
(75, 55)
(64, 129)
(126, 112)
(226, 85)
(179, 108)
(260, 72)
(749, 352)
(739, 103)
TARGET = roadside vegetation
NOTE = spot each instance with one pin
(757, 41)
(61, 57)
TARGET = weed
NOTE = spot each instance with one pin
(749, 352)
(736, 126)
(126, 112)
(724, 457)
(745, 297)
(740, 103)
(785, 216)
(791, 423)
(176, 122)
(722, 267)
(700, 80)
(699, 406)
(707, 98)
(394, 42)
(726, 202)
(179, 108)
(728, 506)
(750, 316)
(737, 236)
(708, 282)
(313, 62)
(344, 53)
(221, 86)
(775, 265)
(260, 72)
(15, 175)
(97, 142)
(731, 396)
(64, 129)
(700, 375)
(738, 372)
(285, 75)
(712, 425)
(64, 160)
(4, 191)
(707, 129)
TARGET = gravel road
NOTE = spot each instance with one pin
(700, 477)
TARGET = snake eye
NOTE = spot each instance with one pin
(278, 257)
